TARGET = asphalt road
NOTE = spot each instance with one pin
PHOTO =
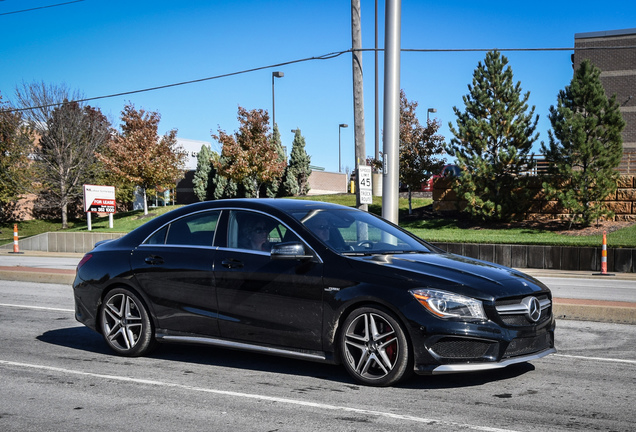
(58, 375)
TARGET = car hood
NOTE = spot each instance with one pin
(467, 276)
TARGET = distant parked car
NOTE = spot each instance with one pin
(450, 170)
(313, 281)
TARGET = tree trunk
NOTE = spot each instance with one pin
(145, 202)
(64, 216)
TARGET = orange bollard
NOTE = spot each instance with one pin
(604, 254)
(604, 258)
(16, 247)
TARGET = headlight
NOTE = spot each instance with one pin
(444, 304)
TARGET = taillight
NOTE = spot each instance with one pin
(84, 260)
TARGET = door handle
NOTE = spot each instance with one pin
(232, 263)
(153, 260)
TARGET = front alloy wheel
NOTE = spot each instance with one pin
(125, 323)
(374, 347)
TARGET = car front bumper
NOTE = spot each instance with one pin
(482, 366)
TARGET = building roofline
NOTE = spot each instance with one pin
(605, 33)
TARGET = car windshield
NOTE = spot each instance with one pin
(353, 232)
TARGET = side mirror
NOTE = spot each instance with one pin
(289, 251)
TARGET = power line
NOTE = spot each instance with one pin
(321, 57)
(40, 7)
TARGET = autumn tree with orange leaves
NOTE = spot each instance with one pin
(249, 157)
(140, 155)
(421, 148)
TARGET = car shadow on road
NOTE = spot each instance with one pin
(83, 339)
(79, 338)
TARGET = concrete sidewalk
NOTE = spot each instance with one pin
(623, 312)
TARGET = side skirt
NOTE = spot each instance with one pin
(317, 356)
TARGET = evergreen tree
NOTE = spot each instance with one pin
(274, 185)
(202, 173)
(224, 187)
(492, 143)
(585, 147)
(289, 185)
(296, 179)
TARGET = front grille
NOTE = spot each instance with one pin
(523, 346)
(522, 320)
(452, 348)
(514, 312)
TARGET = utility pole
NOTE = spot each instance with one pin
(377, 91)
(390, 157)
(358, 96)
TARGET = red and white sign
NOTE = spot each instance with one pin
(99, 199)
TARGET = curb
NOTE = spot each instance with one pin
(35, 274)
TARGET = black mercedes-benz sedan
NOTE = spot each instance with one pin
(314, 281)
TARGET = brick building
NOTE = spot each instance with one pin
(614, 53)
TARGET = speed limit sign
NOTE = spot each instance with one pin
(364, 184)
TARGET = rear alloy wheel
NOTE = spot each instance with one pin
(125, 323)
(374, 347)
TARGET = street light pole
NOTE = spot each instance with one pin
(340, 126)
(276, 74)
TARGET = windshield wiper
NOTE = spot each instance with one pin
(358, 253)
(383, 252)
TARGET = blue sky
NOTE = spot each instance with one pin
(102, 47)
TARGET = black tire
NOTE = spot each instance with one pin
(125, 323)
(374, 347)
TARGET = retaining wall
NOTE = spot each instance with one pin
(79, 242)
(621, 260)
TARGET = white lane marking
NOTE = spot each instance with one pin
(611, 360)
(36, 307)
(261, 397)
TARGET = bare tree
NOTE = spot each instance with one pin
(69, 134)
(38, 100)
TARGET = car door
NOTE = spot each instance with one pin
(174, 268)
(263, 300)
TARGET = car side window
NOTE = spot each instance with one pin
(194, 230)
(255, 231)
(158, 238)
